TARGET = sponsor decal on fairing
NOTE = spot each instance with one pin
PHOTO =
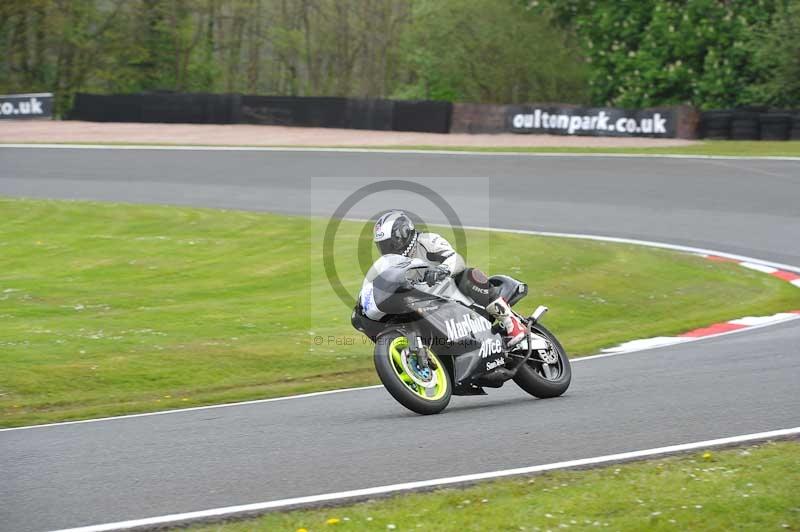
(466, 326)
(491, 346)
(492, 364)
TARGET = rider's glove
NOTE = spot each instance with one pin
(436, 274)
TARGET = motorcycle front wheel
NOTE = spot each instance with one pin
(548, 376)
(421, 390)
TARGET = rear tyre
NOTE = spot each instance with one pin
(420, 391)
(546, 380)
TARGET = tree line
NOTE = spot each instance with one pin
(710, 53)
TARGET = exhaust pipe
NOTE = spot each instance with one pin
(538, 313)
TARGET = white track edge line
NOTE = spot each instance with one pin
(578, 236)
(392, 151)
(647, 243)
(758, 267)
(194, 408)
(622, 240)
(687, 340)
(408, 486)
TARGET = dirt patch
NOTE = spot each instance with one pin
(241, 134)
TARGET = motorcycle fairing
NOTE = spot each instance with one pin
(452, 329)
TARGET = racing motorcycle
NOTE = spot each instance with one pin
(435, 342)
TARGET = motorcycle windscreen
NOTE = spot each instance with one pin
(393, 293)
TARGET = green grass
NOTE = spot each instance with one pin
(761, 148)
(110, 308)
(752, 488)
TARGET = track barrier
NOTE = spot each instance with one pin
(681, 121)
(198, 108)
(750, 124)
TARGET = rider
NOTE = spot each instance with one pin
(395, 235)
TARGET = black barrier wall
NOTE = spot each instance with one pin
(748, 124)
(348, 113)
(290, 111)
(371, 114)
(423, 116)
(167, 107)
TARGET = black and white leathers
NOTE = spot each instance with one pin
(437, 251)
(429, 247)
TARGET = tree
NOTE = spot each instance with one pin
(487, 51)
(658, 52)
(775, 49)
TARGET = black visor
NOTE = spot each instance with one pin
(388, 247)
(402, 235)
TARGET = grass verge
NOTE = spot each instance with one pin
(748, 488)
(741, 148)
(110, 308)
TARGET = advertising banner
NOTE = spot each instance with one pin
(26, 106)
(591, 121)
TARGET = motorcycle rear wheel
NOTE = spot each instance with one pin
(544, 382)
(423, 393)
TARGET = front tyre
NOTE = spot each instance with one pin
(421, 390)
(550, 375)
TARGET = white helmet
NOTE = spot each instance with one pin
(394, 233)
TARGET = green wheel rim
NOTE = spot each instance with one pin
(433, 393)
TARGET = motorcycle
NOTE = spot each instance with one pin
(435, 342)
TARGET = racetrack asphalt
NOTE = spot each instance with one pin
(73, 475)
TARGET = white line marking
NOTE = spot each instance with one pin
(628, 350)
(702, 252)
(750, 321)
(580, 236)
(758, 267)
(757, 264)
(395, 151)
(661, 245)
(192, 408)
(407, 486)
(646, 343)
(688, 340)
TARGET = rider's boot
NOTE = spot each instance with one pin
(514, 328)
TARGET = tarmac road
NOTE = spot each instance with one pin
(72, 475)
(740, 206)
